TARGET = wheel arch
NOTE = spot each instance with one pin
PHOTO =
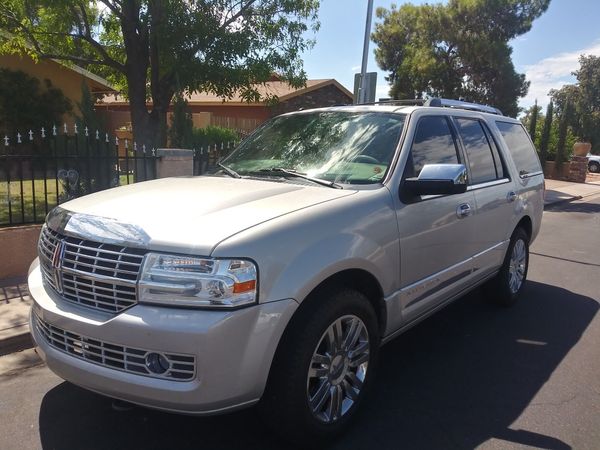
(357, 279)
(527, 225)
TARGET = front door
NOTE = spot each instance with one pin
(436, 232)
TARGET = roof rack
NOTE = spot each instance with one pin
(401, 102)
(461, 104)
(440, 102)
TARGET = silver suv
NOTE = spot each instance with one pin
(276, 279)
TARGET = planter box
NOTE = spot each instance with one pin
(551, 170)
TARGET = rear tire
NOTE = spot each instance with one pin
(505, 288)
(594, 167)
(323, 368)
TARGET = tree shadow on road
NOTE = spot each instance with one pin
(574, 207)
(459, 379)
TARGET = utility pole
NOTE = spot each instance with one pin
(363, 69)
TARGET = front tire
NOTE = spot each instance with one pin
(324, 366)
(594, 167)
(505, 288)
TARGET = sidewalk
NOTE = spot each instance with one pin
(566, 191)
(14, 316)
(15, 300)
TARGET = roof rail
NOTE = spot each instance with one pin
(439, 102)
(401, 102)
(460, 104)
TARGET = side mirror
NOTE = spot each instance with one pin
(438, 179)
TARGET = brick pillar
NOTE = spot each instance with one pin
(578, 169)
(174, 162)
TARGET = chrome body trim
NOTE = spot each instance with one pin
(428, 286)
(391, 334)
(474, 187)
(530, 175)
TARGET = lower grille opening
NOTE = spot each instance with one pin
(127, 359)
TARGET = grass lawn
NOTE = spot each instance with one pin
(23, 212)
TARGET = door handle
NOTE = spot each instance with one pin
(511, 196)
(464, 210)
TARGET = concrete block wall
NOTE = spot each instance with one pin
(174, 162)
(18, 248)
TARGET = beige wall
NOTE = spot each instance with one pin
(63, 78)
(18, 248)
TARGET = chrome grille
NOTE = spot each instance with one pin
(46, 249)
(115, 356)
(93, 274)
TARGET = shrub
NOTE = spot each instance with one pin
(180, 131)
(202, 138)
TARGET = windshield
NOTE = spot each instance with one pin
(337, 146)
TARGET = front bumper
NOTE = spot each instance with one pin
(233, 350)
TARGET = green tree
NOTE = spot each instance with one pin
(88, 116)
(533, 121)
(585, 98)
(545, 138)
(455, 50)
(182, 125)
(27, 104)
(149, 48)
(565, 118)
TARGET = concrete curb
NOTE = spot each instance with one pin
(21, 340)
(574, 198)
(563, 200)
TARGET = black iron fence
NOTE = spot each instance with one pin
(206, 158)
(41, 169)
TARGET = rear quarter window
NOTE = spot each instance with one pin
(520, 147)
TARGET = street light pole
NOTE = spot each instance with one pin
(362, 92)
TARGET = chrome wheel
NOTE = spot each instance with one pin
(338, 368)
(518, 265)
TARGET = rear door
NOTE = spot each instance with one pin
(494, 194)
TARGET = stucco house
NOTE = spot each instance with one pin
(234, 112)
(67, 78)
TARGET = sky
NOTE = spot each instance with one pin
(547, 54)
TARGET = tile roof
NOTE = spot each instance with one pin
(280, 89)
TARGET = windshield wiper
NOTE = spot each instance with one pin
(293, 173)
(232, 173)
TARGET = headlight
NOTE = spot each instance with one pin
(197, 282)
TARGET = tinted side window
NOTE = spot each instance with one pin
(479, 154)
(433, 144)
(520, 147)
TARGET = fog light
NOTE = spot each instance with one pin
(157, 363)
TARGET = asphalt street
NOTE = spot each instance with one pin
(472, 376)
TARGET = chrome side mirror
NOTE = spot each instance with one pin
(438, 179)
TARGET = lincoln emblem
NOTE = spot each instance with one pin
(57, 256)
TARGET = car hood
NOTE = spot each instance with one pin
(190, 214)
